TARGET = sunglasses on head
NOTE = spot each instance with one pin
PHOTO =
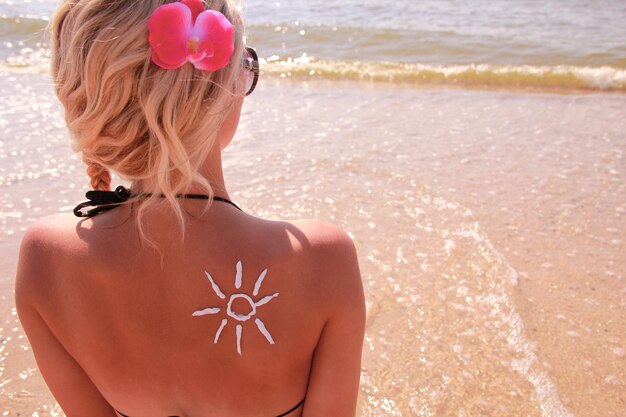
(251, 68)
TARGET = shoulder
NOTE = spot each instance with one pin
(331, 258)
(324, 234)
(321, 240)
(43, 250)
(49, 235)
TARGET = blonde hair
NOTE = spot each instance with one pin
(151, 126)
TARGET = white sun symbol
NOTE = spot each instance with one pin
(239, 316)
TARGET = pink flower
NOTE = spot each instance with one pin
(185, 31)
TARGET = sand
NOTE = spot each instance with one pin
(489, 224)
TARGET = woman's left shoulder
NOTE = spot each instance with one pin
(50, 233)
(44, 247)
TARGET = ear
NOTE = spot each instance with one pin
(231, 122)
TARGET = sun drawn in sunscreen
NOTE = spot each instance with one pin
(241, 317)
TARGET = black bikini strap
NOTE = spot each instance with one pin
(282, 415)
(102, 201)
(224, 200)
(293, 409)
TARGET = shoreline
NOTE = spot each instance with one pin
(287, 71)
(482, 179)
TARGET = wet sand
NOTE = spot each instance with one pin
(490, 227)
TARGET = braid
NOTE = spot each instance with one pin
(99, 175)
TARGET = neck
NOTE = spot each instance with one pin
(211, 170)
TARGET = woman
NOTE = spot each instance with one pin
(168, 300)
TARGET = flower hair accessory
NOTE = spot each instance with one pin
(184, 32)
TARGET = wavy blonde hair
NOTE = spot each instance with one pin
(128, 116)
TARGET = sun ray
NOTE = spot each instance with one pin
(219, 331)
(206, 311)
(238, 276)
(258, 283)
(236, 307)
(239, 330)
(266, 299)
(217, 289)
(264, 331)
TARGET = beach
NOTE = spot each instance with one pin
(489, 226)
(489, 215)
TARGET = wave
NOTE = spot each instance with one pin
(505, 77)
(353, 40)
(24, 25)
(25, 48)
(21, 38)
(433, 46)
(473, 75)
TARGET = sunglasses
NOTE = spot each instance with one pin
(251, 67)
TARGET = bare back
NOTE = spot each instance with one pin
(226, 323)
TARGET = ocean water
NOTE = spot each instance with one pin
(556, 44)
(490, 225)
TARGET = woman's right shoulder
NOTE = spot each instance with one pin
(330, 260)
(318, 240)
(323, 235)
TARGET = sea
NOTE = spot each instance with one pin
(527, 43)
(474, 151)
